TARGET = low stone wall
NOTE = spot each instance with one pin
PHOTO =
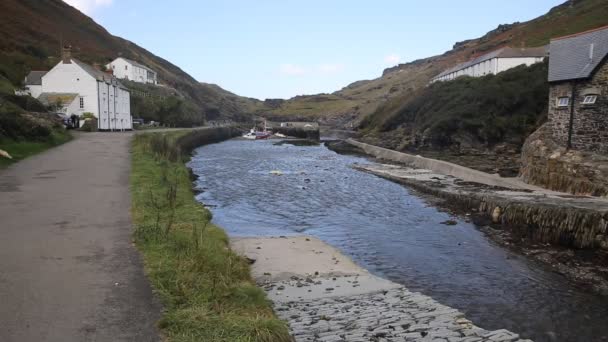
(546, 164)
(548, 218)
(440, 166)
(205, 136)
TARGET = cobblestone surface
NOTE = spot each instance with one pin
(390, 315)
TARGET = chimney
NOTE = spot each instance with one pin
(591, 47)
(66, 54)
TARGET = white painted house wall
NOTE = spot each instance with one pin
(109, 103)
(489, 66)
(71, 78)
(114, 107)
(34, 90)
(124, 69)
(508, 63)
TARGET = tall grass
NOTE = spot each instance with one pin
(206, 288)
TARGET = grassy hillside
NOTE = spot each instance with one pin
(31, 32)
(360, 99)
(467, 112)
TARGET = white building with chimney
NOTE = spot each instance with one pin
(127, 69)
(78, 88)
(494, 62)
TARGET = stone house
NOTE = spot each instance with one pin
(578, 95)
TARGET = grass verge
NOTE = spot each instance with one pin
(205, 287)
(21, 149)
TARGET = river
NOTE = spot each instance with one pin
(395, 234)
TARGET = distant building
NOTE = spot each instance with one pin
(494, 62)
(302, 124)
(33, 83)
(578, 96)
(130, 70)
(79, 88)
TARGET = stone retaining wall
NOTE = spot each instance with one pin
(546, 164)
(440, 166)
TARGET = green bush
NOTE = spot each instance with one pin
(492, 109)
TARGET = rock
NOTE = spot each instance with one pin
(496, 215)
(5, 154)
(449, 223)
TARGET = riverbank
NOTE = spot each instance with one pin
(206, 289)
(558, 230)
(325, 296)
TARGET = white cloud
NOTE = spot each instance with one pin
(89, 6)
(392, 59)
(291, 69)
(331, 68)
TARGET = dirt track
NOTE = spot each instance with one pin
(68, 270)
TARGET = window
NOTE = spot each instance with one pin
(589, 99)
(563, 101)
(126, 67)
(81, 102)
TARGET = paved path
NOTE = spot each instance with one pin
(68, 270)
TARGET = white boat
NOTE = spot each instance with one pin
(253, 135)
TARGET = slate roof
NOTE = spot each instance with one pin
(49, 99)
(577, 56)
(98, 74)
(34, 77)
(505, 52)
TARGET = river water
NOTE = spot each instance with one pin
(393, 233)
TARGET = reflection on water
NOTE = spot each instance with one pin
(393, 234)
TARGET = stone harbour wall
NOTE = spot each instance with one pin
(547, 164)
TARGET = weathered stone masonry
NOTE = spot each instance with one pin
(590, 122)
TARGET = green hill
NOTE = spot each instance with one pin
(348, 106)
(31, 33)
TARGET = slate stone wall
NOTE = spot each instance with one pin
(590, 123)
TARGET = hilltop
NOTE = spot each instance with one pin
(399, 84)
(32, 31)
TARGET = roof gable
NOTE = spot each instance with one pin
(577, 56)
(98, 74)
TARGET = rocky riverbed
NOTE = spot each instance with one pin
(325, 297)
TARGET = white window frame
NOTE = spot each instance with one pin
(589, 99)
(562, 105)
(81, 102)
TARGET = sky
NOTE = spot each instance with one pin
(283, 48)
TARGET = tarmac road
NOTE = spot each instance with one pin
(68, 269)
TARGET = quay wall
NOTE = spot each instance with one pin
(440, 166)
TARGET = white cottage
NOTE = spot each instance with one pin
(127, 69)
(96, 92)
(33, 83)
(494, 62)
